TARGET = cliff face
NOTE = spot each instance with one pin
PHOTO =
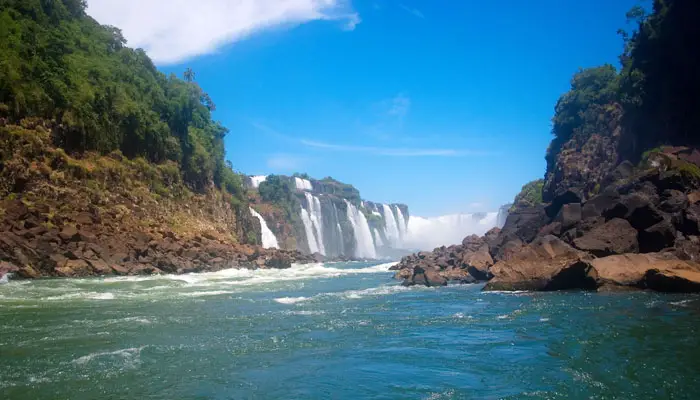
(584, 160)
(620, 203)
(327, 217)
(100, 215)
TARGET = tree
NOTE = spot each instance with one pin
(189, 75)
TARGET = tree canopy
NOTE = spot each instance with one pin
(59, 64)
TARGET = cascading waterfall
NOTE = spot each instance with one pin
(303, 184)
(364, 245)
(341, 244)
(257, 180)
(269, 241)
(377, 238)
(402, 224)
(309, 230)
(316, 216)
(391, 229)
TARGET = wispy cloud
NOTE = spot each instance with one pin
(172, 31)
(394, 151)
(416, 12)
(285, 162)
(399, 106)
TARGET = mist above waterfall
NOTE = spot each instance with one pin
(429, 233)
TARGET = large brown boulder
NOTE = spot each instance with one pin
(522, 224)
(546, 264)
(616, 236)
(656, 271)
(426, 276)
(478, 262)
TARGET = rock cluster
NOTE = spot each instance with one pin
(641, 231)
(86, 244)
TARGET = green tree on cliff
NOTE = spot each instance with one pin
(58, 64)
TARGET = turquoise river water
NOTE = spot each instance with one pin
(338, 331)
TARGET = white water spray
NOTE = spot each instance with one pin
(309, 230)
(429, 233)
(377, 238)
(364, 245)
(303, 184)
(402, 225)
(391, 229)
(257, 180)
(269, 241)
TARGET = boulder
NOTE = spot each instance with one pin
(657, 237)
(425, 276)
(478, 262)
(456, 274)
(694, 197)
(279, 261)
(688, 248)
(616, 236)
(73, 268)
(598, 205)
(656, 271)
(569, 215)
(522, 224)
(673, 201)
(637, 209)
(546, 264)
(691, 220)
(69, 233)
(567, 197)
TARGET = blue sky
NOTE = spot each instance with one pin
(442, 105)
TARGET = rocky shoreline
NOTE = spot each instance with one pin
(641, 232)
(89, 244)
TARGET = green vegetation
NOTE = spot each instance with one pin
(279, 190)
(593, 94)
(660, 80)
(655, 94)
(343, 190)
(530, 195)
(94, 94)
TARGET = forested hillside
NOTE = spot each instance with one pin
(609, 116)
(58, 64)
(106, 164)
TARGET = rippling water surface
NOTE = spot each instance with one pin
(338, 331)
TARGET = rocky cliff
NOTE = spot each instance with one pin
(618, 206)
(100, 215)
(642, 231)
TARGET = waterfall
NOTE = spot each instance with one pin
(303, 184)
(257, 180)
(269, 241)
(391, 230)
(403, 226)
(502, 215)
(428, 233)
(316, 216)
(363, 237)
(377, 238)
(308, 228)
(341, 244)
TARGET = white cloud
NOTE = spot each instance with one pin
(394, 151)
(416, 12)
(174, 30)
